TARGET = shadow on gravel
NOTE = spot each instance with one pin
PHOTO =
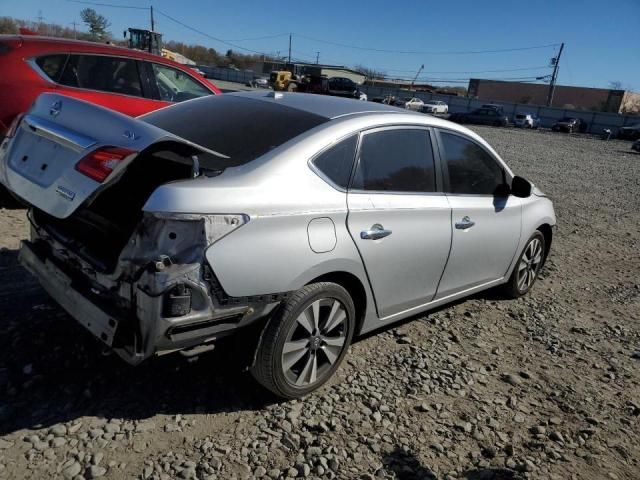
(51, 369)
(491, 474)
(405, 466)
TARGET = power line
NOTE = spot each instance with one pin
(231, 44)
(257, 38)
(416, 52)
(98, 4)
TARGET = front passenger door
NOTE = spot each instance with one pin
(399, 221)
(486, 223)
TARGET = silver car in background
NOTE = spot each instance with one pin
(305, 218)
(526, 120)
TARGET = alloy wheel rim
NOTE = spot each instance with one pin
(529, 264)
(315, 342)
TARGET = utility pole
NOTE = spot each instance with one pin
(75, 36)
(153, 24)
(554, 76)
(317, 58)
(290, 47)
(416, 77)
(41, 26)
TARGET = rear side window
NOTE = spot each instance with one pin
(175, 85)
(52, 65)
(471, 169)
(336, 162)
(104, 73)
(398, 160)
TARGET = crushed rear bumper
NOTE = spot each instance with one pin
(140, 330)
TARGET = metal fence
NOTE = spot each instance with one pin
(228, 74)
(595, 121)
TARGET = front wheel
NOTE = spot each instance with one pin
(305, 341)
(527, 267)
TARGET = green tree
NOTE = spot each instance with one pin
(97, 23)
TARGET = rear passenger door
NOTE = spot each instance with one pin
(110, 81)
(399, 221)
(486, 223)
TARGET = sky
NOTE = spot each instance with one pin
(602, 40)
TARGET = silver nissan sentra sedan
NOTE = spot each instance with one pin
(307, 219)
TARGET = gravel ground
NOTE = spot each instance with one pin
(547, 386)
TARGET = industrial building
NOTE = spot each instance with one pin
(580, 98)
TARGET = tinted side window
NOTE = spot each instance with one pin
(175, 85)
(52, 65)
(336, 162)
(104, 73)
(471, 169)
(397, 161)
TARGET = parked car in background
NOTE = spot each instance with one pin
(629, 132)
(289, 219)
(126, 80)
(435, 106)
(526, 120)
(345, 87)
(569, 125)
(260, 82)
(481, 116)
(410, 103)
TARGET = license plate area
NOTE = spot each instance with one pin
(39, 159)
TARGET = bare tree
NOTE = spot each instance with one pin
(371, 73)
(615, 85)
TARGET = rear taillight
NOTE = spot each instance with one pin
(101, 162)
(13, 128)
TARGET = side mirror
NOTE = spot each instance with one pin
(520, 187)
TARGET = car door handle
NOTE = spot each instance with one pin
(465, 223)
(376, 232)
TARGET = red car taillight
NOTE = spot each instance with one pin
(13, 128)
(101, 162)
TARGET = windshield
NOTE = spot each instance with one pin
(242, 129)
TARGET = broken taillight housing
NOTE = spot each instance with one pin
(99, 164)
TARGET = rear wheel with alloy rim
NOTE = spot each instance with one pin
(304, 343)
(527, 268)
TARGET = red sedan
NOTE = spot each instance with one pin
(125, 80)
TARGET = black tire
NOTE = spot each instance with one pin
(268, 368)
(514, 288)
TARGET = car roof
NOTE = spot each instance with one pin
(321, 105)
(51, 43)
